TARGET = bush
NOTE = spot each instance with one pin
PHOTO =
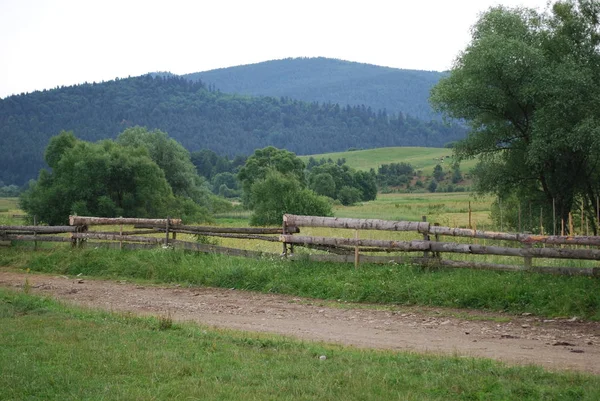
(349, 196)
(278, 194)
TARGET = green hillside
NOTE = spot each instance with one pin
(197, 117)
(327, 80)
(420, 158)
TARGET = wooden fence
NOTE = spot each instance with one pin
(430, 245)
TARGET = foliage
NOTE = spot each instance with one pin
(330, 179)
(349, 195)
(394, 174)
(172, 158)
(438, 173)
(9, 191)
(198, 118)
(101, 179)
(432, 187)
(266, 160)
(278, 194)
(528, 85)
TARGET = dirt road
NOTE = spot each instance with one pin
(556, 344)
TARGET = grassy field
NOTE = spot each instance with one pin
(420, 158)
(8, 208)
(64, 353)
(512, 292)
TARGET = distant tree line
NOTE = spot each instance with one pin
(198, 118)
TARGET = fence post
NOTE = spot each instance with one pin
(356, 251)
(167, 231)
(35, 233)
(425, 237)
(437, 239)
(284, 232)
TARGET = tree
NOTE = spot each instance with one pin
(323, 184)
(277, 194)
(266, 160)
(528, 85)
(173, 159)
(438, 173)
(101, 179)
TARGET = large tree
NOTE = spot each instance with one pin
(528, 85)
(100, 179)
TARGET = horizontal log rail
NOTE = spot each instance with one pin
(215, 229)
(97, 221)
(357, 224)
(117, 237)
(427, 228)
(447, 247)
(40, 229)
(41, 238)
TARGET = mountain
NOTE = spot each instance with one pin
(198, 118)
(326, 80)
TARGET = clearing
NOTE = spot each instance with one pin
(556, 344)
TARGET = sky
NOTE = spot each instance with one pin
(45, 44)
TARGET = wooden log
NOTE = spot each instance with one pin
(523, 238)
(96, 221)
(40, 229)
(45, 238)
(117, 237)
(225, 235)
(406, 246)
(466, 232)
(356, 224)
(134, 232)
(560, 240)
(419, 245)
(215, 229)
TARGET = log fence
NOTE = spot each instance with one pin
(430, 242)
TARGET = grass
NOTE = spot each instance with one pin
(420, 158)
(66, 353)
(512, 292)
(8, 207)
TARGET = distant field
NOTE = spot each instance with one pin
(420, 158)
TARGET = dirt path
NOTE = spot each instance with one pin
(554, 344)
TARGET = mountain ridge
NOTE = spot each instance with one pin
(330, 80)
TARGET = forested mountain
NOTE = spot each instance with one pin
(327, 80)
(197, 118)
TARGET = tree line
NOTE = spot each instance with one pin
(198, 118)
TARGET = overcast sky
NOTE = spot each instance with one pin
(44, 44)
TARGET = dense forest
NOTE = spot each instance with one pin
(329, 80)
(198, 118)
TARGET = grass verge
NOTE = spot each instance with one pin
(65, 353)
(513, 292)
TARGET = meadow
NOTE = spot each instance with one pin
(424, 159)
(58, 352)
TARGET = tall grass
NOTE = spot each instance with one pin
(513, 292)
(53, 352)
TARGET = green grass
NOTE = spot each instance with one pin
(53, 352)
(8, 207)
(420, 158)
(513, 292)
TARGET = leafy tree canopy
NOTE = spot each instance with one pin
(277, 194)
(173, 159)
(267, 160)
(528, 85)
(102, 179)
